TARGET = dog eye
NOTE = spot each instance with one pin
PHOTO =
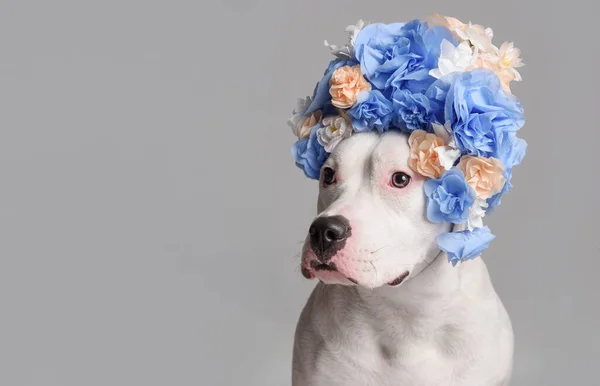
(328, 176)
(400, 180)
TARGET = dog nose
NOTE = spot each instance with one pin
(328, 235)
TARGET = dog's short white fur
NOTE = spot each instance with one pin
(442, 326)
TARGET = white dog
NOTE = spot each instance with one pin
(389, 308)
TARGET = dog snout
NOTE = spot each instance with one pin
(328, 235)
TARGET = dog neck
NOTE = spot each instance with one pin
(430, 292)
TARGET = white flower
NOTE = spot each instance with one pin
(509, 58)
(354, 31)
(447, 154)
(454, 59)
(479, 37)
(333, 131)
(347, 51)
(298, 118)
(503, 61)
(510, 55)
(476, 214)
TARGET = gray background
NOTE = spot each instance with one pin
(151, 215)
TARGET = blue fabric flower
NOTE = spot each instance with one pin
(400, 55)
(483, 117)
(321, 93)
(371, 111)
(329, 109)
(411, 111)
(516, 153)
(465, 245)
(495, 201)
(513, 157)
(310, 154)
(449, 197)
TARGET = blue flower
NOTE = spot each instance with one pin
(513, 157)
(309, 154)
(465, 245)
(411, 111)
(321, 93)
(400, 55)
(483, 117)
(371, 111)
(449, 197)
(516, 153)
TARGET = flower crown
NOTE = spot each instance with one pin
(447, 85)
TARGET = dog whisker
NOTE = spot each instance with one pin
(387, 246)
(375, 269)
(425, 260)
(296, 256)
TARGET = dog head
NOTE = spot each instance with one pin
(371, 228)
(380, 221)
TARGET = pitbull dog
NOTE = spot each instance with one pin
(389, 308)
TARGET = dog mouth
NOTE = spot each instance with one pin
(397, 281)
(317, 266)
(331, 267)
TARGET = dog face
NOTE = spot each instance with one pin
(371, 228)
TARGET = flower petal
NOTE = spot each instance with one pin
(465, 245)
(447, 156)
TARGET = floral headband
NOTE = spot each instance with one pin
(447, 85)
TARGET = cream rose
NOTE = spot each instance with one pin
(307, 124)
(334, 130)
(423, 158)
(484, 175)
(345, 85)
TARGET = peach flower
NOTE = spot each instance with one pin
(455, 24)
(346, 83)
(477, 35)
(505, 78)
(484, 175)
(504, 63)
(306, 126)
(423, 158)
(435, 20)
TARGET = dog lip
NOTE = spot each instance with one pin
(399, 279)
(352, 280)
(307, 274)
(323, 267)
